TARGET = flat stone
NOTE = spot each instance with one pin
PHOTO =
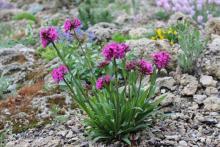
(207, 81)
(199, 98)
(212, 103)
(211, 91)
(167, 82)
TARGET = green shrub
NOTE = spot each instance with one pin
(94, 11)
(25, 15)
(191, 44)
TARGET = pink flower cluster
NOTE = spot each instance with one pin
(71, 24)
(115, 51)
(145, 67)
(161, 59)
(58, 73)
(48, 35)
(102, 81)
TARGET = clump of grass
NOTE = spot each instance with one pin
(4, 83)
(161, 15)
(94, 11)
(191, 44)
(25, 15)
(118, 37)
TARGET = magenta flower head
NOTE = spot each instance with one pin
(145, 67)
(131, 65)
(71, 24)
(115, 50)
(161, 59)
(48, 35)
(59, 73)
(102, 81)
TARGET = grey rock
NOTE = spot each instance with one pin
(167, 82)
(189, 83)
(212, 103)
(103, 31)
(7, 14)
(199, 98)
(211, 91)
(210, 63)
(213, 26)
(138, 32)
(62, 133)
(183, 143)
(69, 134)
(16, 62)
(207, 81)
(169, 99)
(180, 17)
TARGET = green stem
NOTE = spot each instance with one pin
(84, 52)
(139, 88)
(117, 97)
(59, 54)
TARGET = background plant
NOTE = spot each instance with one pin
(4, 83)
(191, 45)
(94, 11)
(165, 33)
(161, 15)
(25, 15)
(200, 10)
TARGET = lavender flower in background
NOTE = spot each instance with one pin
(6, 5)
(200, 10)
(64, 36)
(91, 36)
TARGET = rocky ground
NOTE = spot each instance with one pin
(190, 115)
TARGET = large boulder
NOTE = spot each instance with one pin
(103, 30)
(210, 62)
(180, 17)
(212, 103)
(16, 62)
(213, 26)
(189, 85)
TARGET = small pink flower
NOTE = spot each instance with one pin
(103, 64)
(58, 73)
(161, 59)
(48, 35)
(131, 65)
(145, 67)
(71, 24)
(115, 50)
(102, 81)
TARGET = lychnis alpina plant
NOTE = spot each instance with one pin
(117, 103)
